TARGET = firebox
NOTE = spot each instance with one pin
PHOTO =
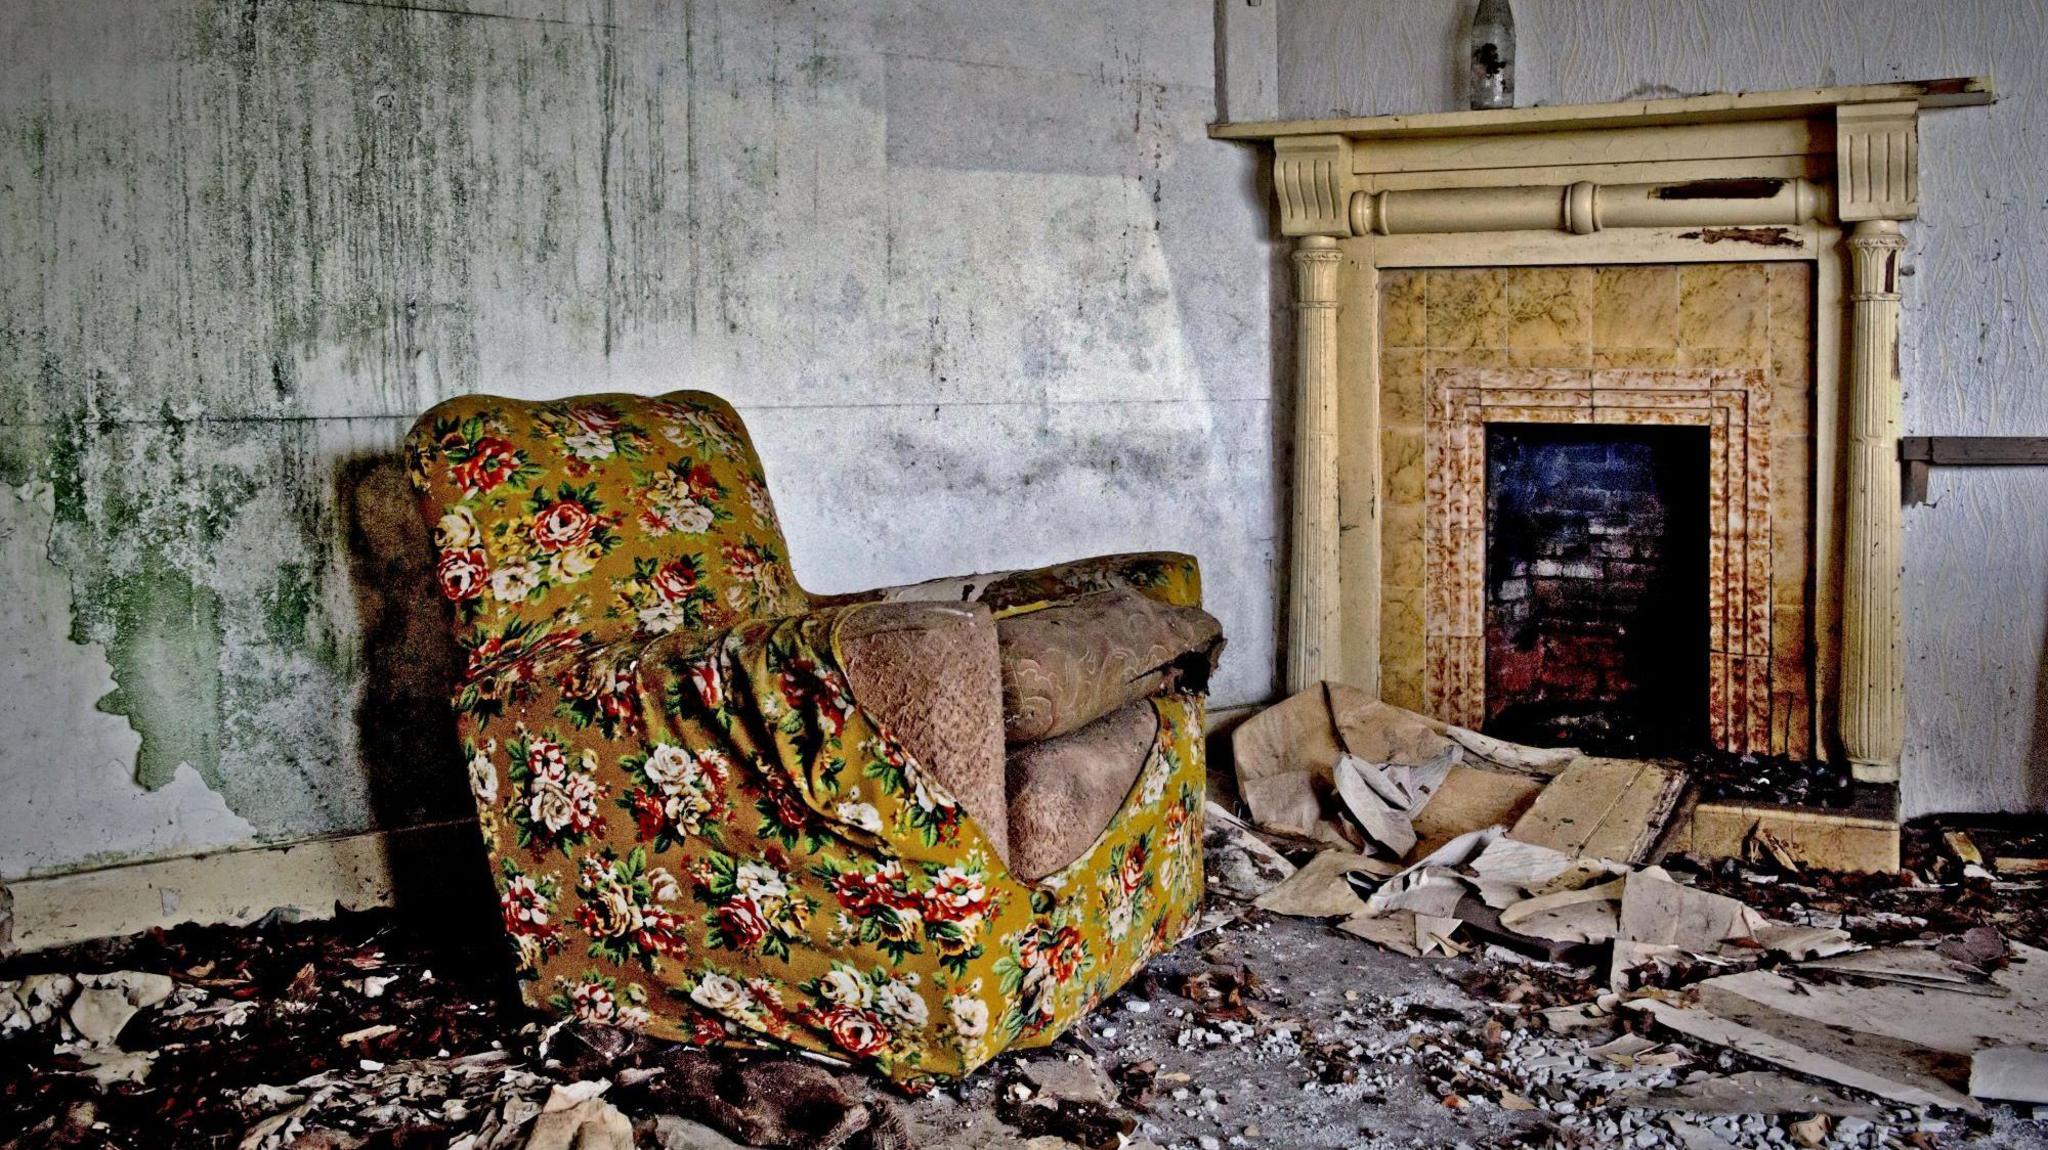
(1596, 578)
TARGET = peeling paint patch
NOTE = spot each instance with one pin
(71, 769)
(1772, 237)
(165, 647)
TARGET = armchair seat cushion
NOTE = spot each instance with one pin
(1064, 791)
(1064, 666)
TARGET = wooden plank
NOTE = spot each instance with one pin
(1975, 450)
(1603, 808)
(1828, 840)
(1720, 107)
(1744, 146)
(1470, 799)
(1620, 246)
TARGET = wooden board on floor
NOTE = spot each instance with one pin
(1862, 837)
(1604, 808)
(1470, 799)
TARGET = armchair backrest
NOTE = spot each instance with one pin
(581, 521)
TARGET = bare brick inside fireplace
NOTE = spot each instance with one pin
(1596, 585)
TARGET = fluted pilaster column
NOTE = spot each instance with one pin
(1312, 620)
(1873, 646)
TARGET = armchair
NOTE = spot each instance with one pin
(726, 811)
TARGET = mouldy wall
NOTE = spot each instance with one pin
(1976, 305)
(984, 291)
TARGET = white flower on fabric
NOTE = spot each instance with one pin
(970, 1016)
(842, 987)
(550, 803)
(1120, 920)
(513, 582)
(670, 767)
(691, 517)
(719, 994)
(575, 562)
(664, 885)
(663, 616)
(589, 445)
(900, 1002)
(1155, 780)
(862, 815)
(456, 531)
(760, 882)
(483, 774)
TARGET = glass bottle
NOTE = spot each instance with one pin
(1493, 55)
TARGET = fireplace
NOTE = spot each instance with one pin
(1727, 264)
(1714, 355)
(1596, 586)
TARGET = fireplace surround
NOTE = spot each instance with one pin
(1805, 642)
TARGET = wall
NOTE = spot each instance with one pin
(1976, 306)
(984, 291)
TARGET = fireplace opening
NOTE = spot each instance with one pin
(1596, 586)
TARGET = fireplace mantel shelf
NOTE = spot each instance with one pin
(1720, 107)
(1821, 175)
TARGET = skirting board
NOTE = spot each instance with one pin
(417, 867)
(309, 879)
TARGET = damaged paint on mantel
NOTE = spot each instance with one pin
(983, 249)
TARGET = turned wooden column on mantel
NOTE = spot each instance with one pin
(1873, 663)
(1312, 619)
(1876, 154)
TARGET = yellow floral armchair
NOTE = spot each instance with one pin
(699, 829)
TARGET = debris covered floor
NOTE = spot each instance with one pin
(369, 1031)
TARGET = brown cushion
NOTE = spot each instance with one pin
(927, 671)
(1067, 665)
(1064, 791)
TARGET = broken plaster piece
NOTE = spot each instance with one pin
(1802, 943)
(1433, 869)
(1589, 914)
(105, 1003)
(1238, 863)
(1384, 798)
(1747, 1092)
(1393, 931)
(1918, 1090)
(1544, 761)
(2012, 1073)
(1319, 889)
(576, 1117)
(1287, 756)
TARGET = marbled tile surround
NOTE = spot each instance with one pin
(1722, 346)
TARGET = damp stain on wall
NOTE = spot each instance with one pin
(257, 237)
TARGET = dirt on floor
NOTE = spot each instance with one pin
(374, 1031)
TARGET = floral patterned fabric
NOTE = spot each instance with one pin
(697, 829)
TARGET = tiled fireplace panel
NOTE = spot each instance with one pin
(1721, 347)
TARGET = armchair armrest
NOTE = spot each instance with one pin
(1168, 576)
(930, 673)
